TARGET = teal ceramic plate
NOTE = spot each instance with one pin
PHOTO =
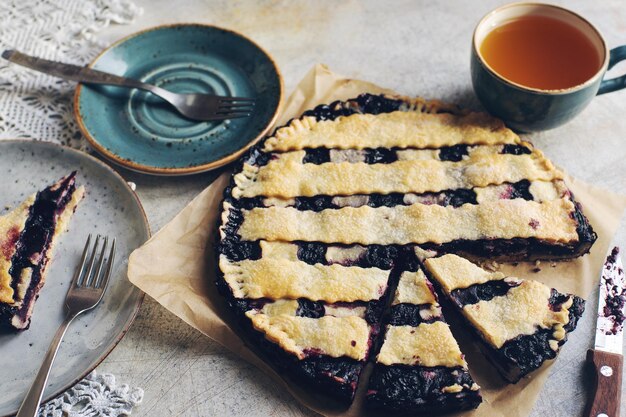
(140, 132)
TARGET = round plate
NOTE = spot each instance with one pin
(143, 133)
(109, 207)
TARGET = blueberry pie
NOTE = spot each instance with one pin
(419, 367)
(323, 221)
(521, 323)
(27, 238)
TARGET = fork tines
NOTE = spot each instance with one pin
(95, 272)
(233, 107)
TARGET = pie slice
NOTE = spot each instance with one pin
(420, 368)
(27, 238)
(521, 323)
(315, 321)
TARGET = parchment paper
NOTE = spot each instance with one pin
(176, 267)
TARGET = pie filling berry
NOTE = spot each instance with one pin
(45, 218)
(421, 389)
(357, 197)
(406, 314)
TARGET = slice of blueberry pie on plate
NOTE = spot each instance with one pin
(325, 224)
(27, 238)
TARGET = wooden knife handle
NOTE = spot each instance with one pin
(607, 390)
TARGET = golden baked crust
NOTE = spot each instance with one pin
(413, 288)
(429, 344)
(282, 278)
(523, 310)
(417, 223)
(279, 250)
(452, 272)
(399, 129)
(332, 336)
(281, 308)
(286, 176)
(11, 225)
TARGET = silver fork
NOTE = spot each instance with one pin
(202, 107)
(85, 292)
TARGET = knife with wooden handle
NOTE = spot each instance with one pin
(607, 356)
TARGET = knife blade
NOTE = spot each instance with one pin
(607, 355)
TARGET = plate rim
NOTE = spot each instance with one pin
(149, 169)
(142, 294)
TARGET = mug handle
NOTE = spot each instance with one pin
(606, 86)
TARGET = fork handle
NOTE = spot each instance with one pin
(71, 72)
(30, 405)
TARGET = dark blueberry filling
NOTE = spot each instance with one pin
(454, 198)
(336, 376)
(385, 257)
(35, 239)
(312, 252)
(371, 156)
(405, 314)
(231, 245)
(311, 309)
(380, 256)
(528, 352)
(419, 389)
(481, 292)
(407, 259)
(317, 203)
(385, 200)
(515, 150)
(365, 103)
(375, 309)
(453, 153)
(257, 157)
(457, 198)
(316, 156)
(247, 203)
(6, 313)
(381, 156)
(521, 189)
(586, 235)
(515, 249)
(557, 299)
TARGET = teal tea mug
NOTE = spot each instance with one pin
(529, 109)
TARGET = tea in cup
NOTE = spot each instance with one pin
(536, 66)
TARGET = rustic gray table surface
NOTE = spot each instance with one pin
(417, 47)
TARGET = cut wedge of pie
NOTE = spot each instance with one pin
(27, 238)
(322, 219)
(420, 367)
(521, 323)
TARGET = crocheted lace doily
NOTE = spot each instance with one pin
(96, 395)
(34, 105)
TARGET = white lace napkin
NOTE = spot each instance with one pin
(96, 395)
(34, 105)
(37, 106)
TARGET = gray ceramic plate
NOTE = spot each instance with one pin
(110, 207)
